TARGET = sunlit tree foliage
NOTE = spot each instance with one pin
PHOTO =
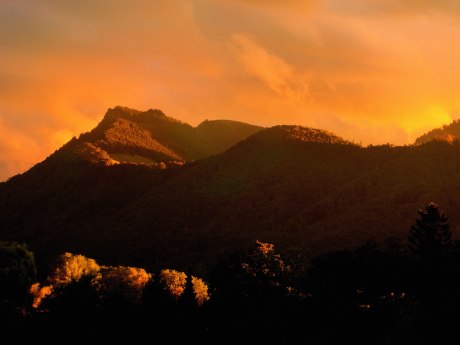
(201, 290)
(71, 267)
(39, 292)
(128, 282)
(173, 281)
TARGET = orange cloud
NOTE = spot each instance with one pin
(278, 75)
(373, 71)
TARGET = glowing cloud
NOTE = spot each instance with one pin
(373, 71)
(269, 68)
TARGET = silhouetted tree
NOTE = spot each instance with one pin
(188, 300)
(76, 298)
(252, 294)
(430, 237)
(17, 273)
(73, 306)
(157, 301)
(430, 248)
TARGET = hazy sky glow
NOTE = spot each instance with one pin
(374, 71)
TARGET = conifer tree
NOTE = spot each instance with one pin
(430, 237)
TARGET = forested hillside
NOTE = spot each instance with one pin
(294, 186)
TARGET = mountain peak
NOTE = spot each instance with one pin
(127, 135)
(120, 112)
(448, 133)
(300, 133)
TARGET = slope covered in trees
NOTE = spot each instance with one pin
(131, 136)
(447, 133)
(290, 185)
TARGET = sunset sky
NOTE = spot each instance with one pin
(372, 71)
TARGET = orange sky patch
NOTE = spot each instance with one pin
(373, 71)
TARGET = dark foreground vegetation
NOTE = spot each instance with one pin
(388, 293)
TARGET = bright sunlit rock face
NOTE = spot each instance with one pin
(372, 71)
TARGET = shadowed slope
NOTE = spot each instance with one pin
(291, 185)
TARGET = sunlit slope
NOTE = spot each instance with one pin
(132, 136)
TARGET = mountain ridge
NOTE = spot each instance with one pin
(290, 185)
(132, 136)
(448, 133)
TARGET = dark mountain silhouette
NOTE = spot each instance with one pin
(447, 133)
(290, 185)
